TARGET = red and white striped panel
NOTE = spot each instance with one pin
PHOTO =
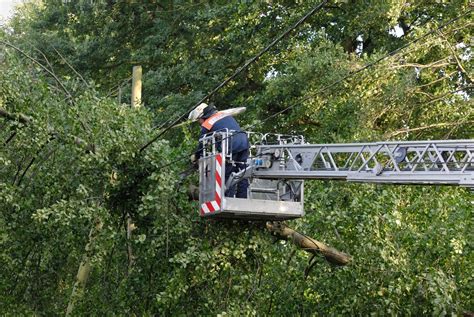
(214, 205)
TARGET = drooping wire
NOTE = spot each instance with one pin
(237, 72)
(344, 78)
(361, 69)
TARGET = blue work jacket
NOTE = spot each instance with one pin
(221, 121)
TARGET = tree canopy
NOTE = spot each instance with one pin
(72, 173)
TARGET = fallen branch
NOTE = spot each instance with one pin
(308, 244)
(69, 96)
(90, 148)
(40, 65)
(14, 117)
(282, 231)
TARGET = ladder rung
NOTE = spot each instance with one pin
(264, 190)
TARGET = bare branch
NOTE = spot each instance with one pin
(448, 76)
(51, 138)
(49, 71)
(427, 94)
(434, 99)
(40, 65)
(430, 126)
(45, 157)
(451, 48)
(436, 64)
(117, 87)
(45, 59)
(14, 117)
(71, 67)
(465, 26)
(90, 148)
(10, 138)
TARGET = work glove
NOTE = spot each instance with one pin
(194, 159)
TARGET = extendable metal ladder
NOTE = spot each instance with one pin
(279, 165)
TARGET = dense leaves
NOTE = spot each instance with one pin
(71, 171)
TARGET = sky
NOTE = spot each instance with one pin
(6, 8)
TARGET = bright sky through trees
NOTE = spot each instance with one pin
(6, 8)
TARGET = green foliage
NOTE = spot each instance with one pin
(76, 163)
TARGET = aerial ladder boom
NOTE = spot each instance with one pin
(447, 162)
(279, 165)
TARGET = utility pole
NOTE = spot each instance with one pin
(136, 103)
(136, 86)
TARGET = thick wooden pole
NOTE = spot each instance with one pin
(84, 269)
(137, 86)
(308, 244)
(136, 103)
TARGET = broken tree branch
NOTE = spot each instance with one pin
(308, 244)
(90, 148)
(69, 96)
(40, 65)
(14, 117)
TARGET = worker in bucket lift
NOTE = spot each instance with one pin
(212, 120)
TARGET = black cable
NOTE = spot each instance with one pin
(237, 72)
(350, 74)
(359, 70)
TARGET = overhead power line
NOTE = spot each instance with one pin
(346, 77)
(369, 65)
(237, 72)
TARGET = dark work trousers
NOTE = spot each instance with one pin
(239, 190)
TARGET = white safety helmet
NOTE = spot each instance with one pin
(197, 112)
